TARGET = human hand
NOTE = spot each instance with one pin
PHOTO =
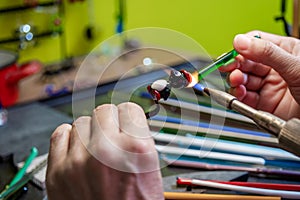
(110, 155)
(266, 73)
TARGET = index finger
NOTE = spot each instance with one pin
(59, 144)
(285, 42)
(132, 120)
(105, 121)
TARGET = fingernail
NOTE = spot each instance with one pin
(245, 78)
(241, 42)
(238, 65)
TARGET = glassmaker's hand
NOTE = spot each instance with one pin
(110, 155)
(266, 73)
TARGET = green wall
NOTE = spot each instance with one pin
(212, 23)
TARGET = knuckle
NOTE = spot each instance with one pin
(142, 146)
(129, 105)
(103, 107)
(293, 73)
(131, 108)
(82, 119)
(268, 49)
(59, 132)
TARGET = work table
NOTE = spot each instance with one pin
(32, 120)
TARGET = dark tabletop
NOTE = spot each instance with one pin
(27, 126)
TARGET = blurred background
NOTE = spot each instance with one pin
(71, 28)
(59, 59)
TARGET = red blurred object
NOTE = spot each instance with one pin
(275, 186)
(187, 75)
(154, 93)
(10, 75)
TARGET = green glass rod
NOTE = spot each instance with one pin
(221, 61)
(225, 59)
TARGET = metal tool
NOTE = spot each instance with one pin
(287, 132)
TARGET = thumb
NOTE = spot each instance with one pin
(268, 53)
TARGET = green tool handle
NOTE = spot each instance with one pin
(221, 61)
(22, 171)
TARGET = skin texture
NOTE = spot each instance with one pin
(266, 74)
(110, 155)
